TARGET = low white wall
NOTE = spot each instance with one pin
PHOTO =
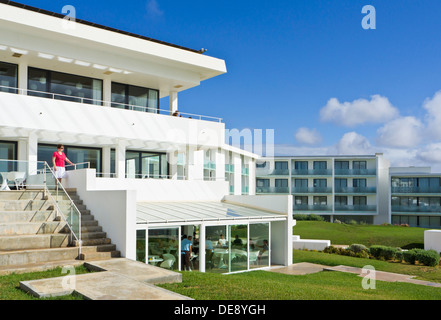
(300, 244)
(432, 240)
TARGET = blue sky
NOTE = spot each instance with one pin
(306, 68)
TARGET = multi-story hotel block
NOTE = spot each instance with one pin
(335, 187)
(148, 173)
(415, 197)
(359, 188)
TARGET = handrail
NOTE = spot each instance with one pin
(97, 102)
(78, 238)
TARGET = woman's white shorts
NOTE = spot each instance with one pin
(60, 173)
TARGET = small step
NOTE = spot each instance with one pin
(24, 205)
(88, 223)
(93, 235)
(93, 242)
(97, 228)
(101, 255)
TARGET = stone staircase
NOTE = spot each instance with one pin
(31, 234)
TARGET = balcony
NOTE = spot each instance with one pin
(416, 209)
(245, 190)
(272, 190)
(356, 208)
(410, 190)
(312, 172)
(245, 171)
(355, 172)
(315, 207)
(101, 103)
(355, 190)
(312, 190)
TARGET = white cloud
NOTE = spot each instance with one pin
(153, 9)
(402, 132)
(353, 143)
(433, 117)
(307, 136)
(360, 111)
(431, 153)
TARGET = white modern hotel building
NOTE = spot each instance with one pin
(147, 176)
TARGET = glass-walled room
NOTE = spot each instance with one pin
(133, 97)
(234, 248)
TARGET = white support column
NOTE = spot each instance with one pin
(32, 154)
(120, 160)
(220, 165)
(23, 77)
(202, 248)
(173, 102)
(237, 174)
(107, 91)
(106, 161)
(172, 158)
(252, 176)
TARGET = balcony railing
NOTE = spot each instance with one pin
(245, 171)
(436, 209)
(315, 207)
(312, 190)
(355, 190)
(272, 190)
(355, 172)
(311, 172)
(210, 165)
(266, 172)
(356, 208)
(229, 168)
(101, 103)
(416, 189)
(245, 190)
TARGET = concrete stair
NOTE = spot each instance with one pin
(32, 234)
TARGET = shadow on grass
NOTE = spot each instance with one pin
(413, 246)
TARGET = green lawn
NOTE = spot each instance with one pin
(344, 234)
(263, 285)
(10, 284)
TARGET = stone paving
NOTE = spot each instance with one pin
(309, 268)
(116, 279)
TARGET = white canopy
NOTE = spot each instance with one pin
(184, 212)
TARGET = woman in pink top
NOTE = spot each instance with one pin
(58, 160)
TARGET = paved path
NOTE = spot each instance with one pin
(308, 268)
(117, 279)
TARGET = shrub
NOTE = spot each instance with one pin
(383, 252)
(362, 254)
(399, 255)
(314, 217)
(300, 217)
(337, 221)
(357, 247)
(428, 257)
(352, 222)
(410, 256)
(330, 249)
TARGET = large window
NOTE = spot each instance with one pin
(75, 154)
(8, 151)
(143, 165)
(137, 98)
(63, 86)
(8, 77)
(340, 165)
(163, 248)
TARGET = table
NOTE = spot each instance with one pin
(221, 253)
(154, 260)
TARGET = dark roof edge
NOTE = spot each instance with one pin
(58, 15)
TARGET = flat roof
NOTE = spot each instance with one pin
(61, 16)
(204, 211)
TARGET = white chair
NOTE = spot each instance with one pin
(17, 177)
(253, 257)
(169, 261)
(4, 186)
